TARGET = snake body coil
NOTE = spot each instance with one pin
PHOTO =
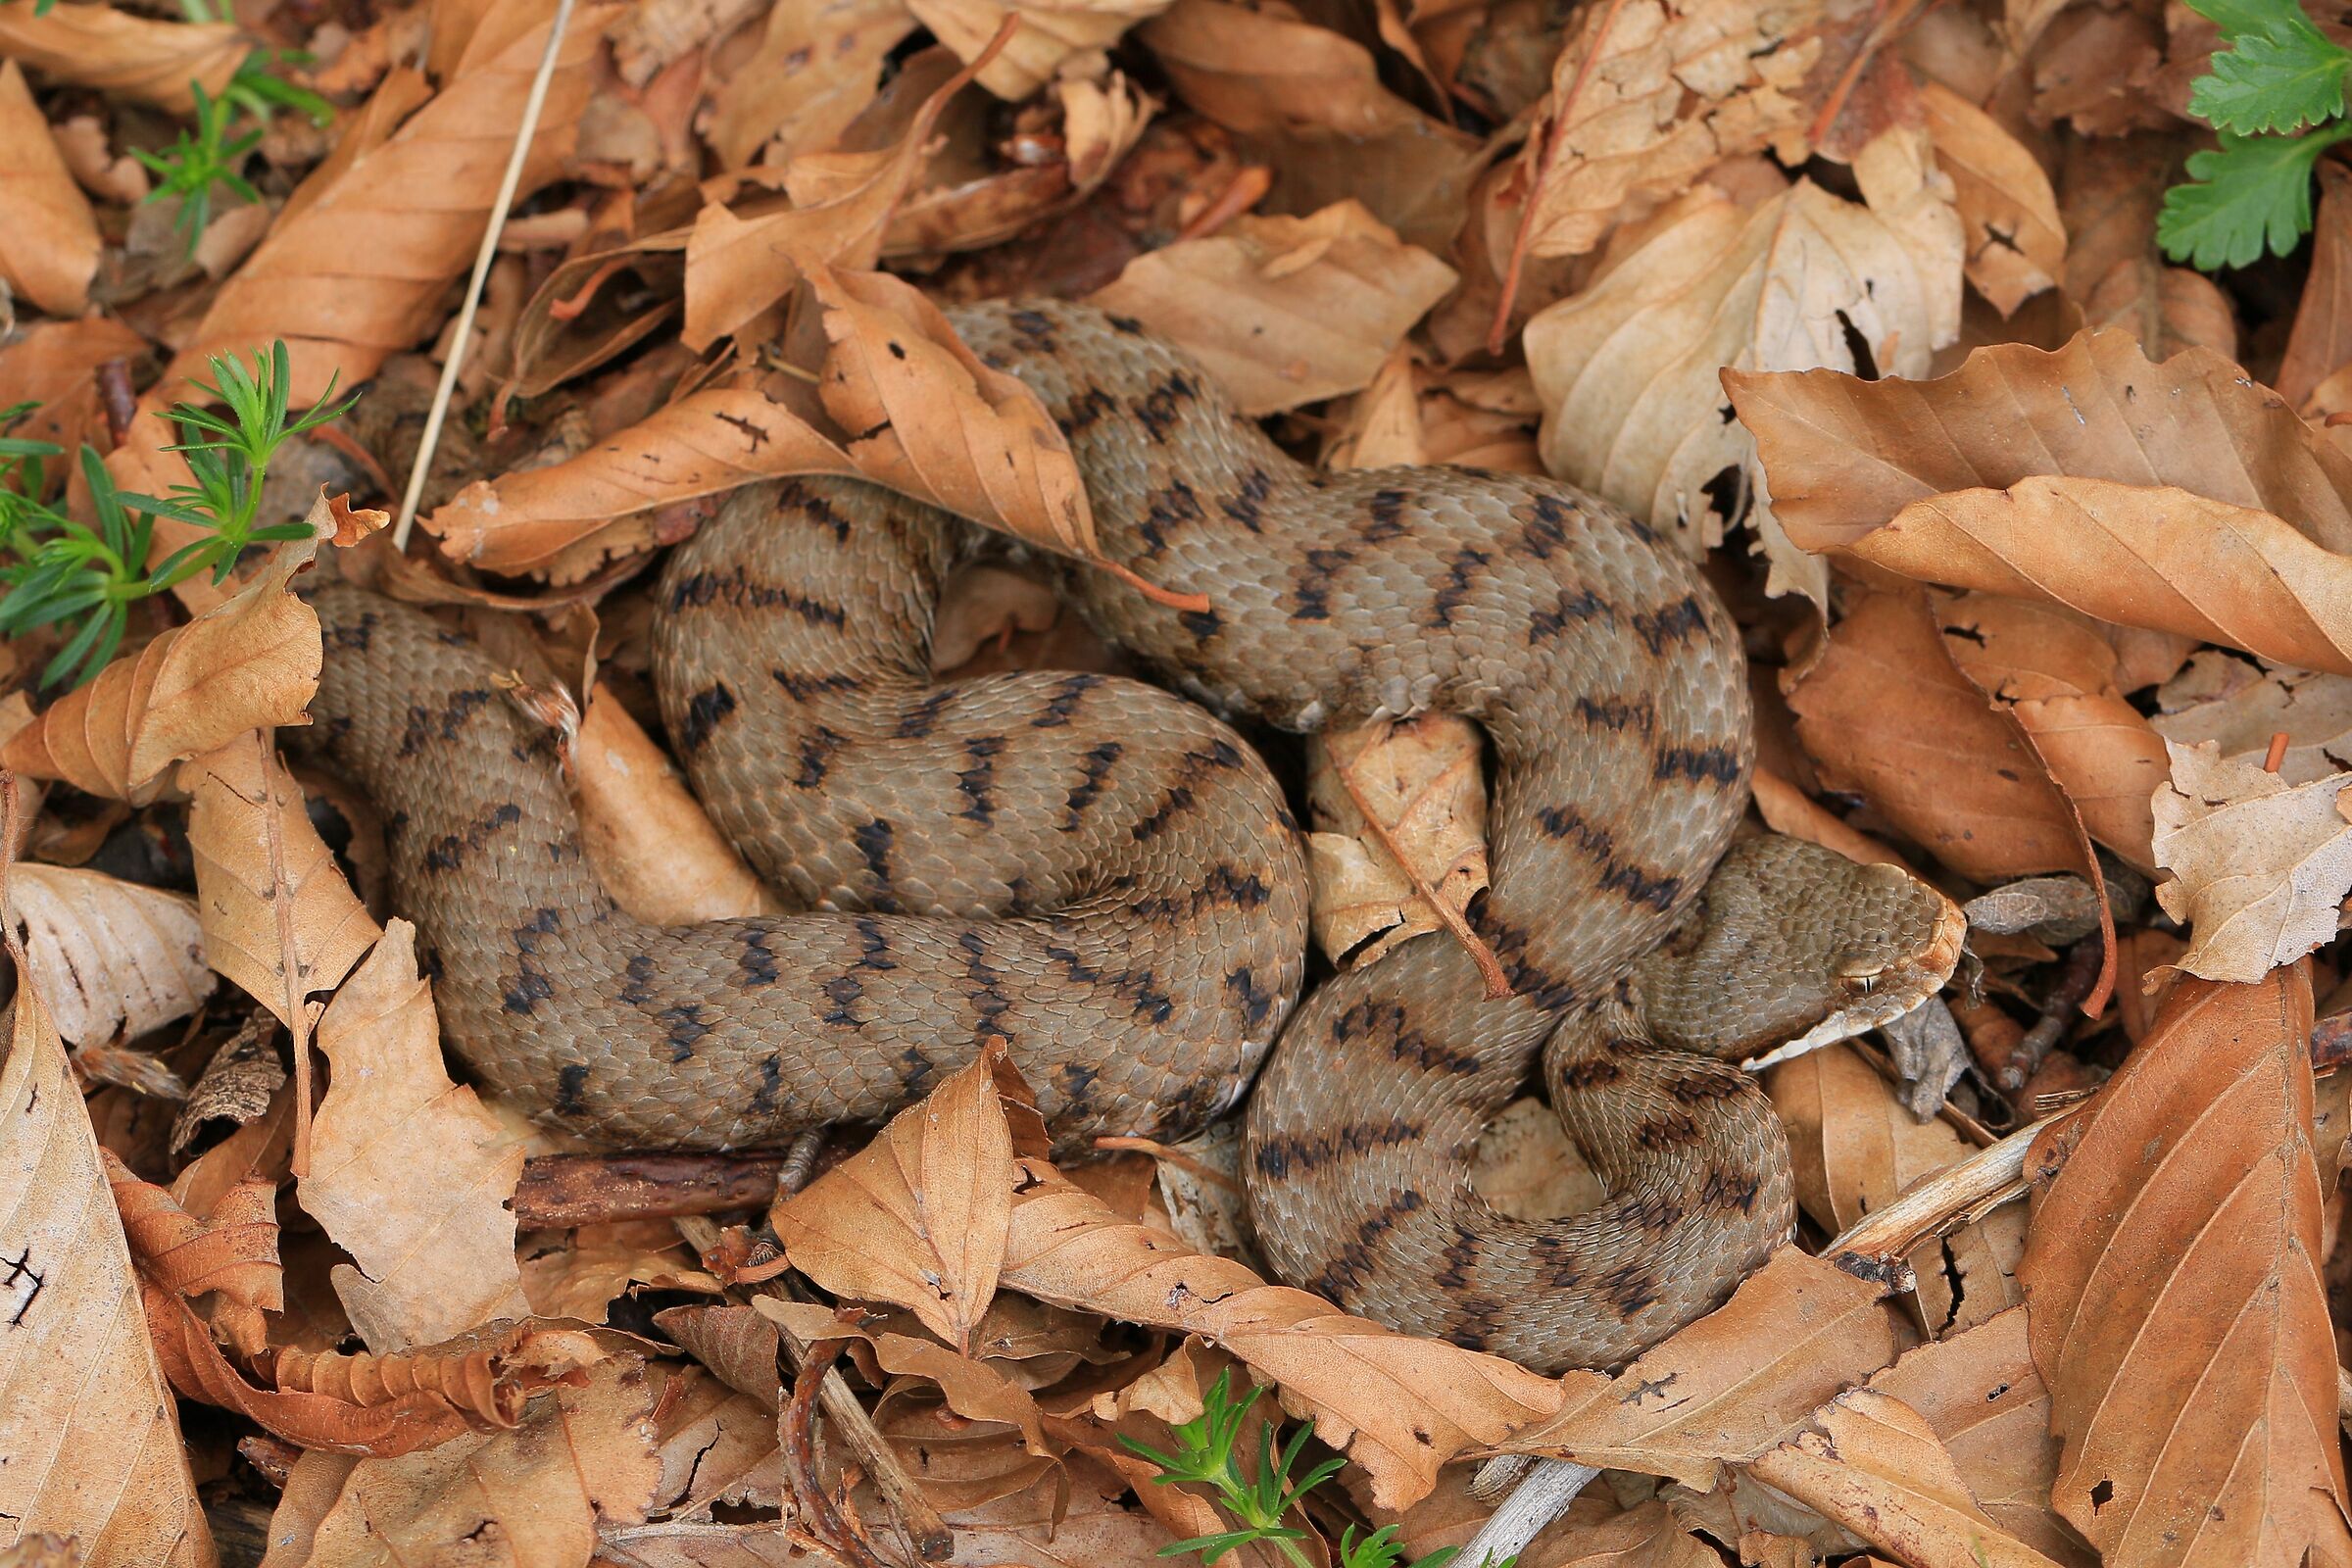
(1106, 877)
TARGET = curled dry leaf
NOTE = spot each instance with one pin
(976, 1390)
(49, 240)
(2258, 865)
(109, 957)
(1285, 311)
(233, 1250)
(2016, 240)
(2320, 341)
(252, 659)
(2314, 711)
(90, 1430)
(598, 1263)
(1726, 1387)
(130, 55)
(486, 1375)
(917, 1217)
(408, 1173)
(260, 863)
(1877, 1469)
(1049, 32)
(654, 848)
(2177, 1312)
(1633, 406)
(1421, 779)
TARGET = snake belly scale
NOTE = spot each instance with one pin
(1106, 877)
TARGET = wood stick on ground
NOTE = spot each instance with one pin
(558, 1192)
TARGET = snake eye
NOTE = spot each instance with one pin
(1859, 975)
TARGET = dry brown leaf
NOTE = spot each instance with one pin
(90, 1431)
(408, 1173)
(2169, 309)
(2177, 1312)
(109, 956)
(1877, 1469)
(54, 364)
(815, 67)
(976, 1390)
(1423, 783)
(233, 1250)
(1051, 31)
(246, 813)
(1885, 713)
(1285, 311)
(918, 1216)
(1656, 94)
(2314, 711)
(1399, 1406)
(1980, 1393)
(132, 56)
(2258, 865)
(651, 844)
(531, 1497)
(48, 235)
(2056, 672)
(252, 659)
(582, 1277)
(2321, 342)
(1629, 370)
(1728, 1387)
(2016, 242)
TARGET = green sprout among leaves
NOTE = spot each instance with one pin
(202, 160)
(2278, 76)
(1205, 1456)
(62, 572)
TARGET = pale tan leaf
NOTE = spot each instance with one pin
(2169, 309)
(917, 1217)
(48, 235)
(2258, 865)
(596, 1264)
(1285, 311)
(90, 1430)
(1051, 31)
(654, 848)
(1728, 1387)
(134, 57)
(1878, 1469)
(246, 811)
(408, 1173)
(1630, 370)
(815, 67)
(1422, 781)
(2314, 711)
(2016, 241)
(109, 956)
(2179, 1317)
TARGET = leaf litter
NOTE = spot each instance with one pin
(2039, 537)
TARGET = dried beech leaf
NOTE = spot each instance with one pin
(917, 1217)
(1285, 311)
(1633, 406)
(1399, 1406)
(2016, 240)
(2055, 671)
(2179, 1315)
(1728, 1387)
(1050, 33)
(48, 235)
(1877, 1469)
(654, 848)
(2314, 711)
(2258, 865)
(1885, 713)
(244, 811)
(109, 956)
(130, 55)
(408, 1173)
(90, 1431)
(250, 659)
(815, 67)
(485, 1377)
(54, 365)
(1423, 781)
(978, 1390)
(582, 1279)
(233, 1250)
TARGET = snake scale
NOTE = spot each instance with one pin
(1106, 877)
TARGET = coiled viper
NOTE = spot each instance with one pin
(1106, 877)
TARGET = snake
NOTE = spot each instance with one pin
(1103, 876)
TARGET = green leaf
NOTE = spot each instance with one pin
(2278, 79)
(2250, 191)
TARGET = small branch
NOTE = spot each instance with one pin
(1542, 1497)
(1490, 968)
(2083, 961)
(560, 1192)
(532, 106)
(1956, 1195)
(1174, 1157)
(122, 403)
(796, 1435)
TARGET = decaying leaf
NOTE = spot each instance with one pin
(2258, 865)
(109, 957)
(138, 57)
(49, 245)
(408, 1173)
(919, 1217)
(233, 1250)
(815, 67)
(1285, 311)
(2016, 239)
(2227, 702)
(1422, 781)
(2177, 1312)
(89, 1428)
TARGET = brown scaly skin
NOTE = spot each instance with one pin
(1106, 877)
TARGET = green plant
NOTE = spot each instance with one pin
(1205, 1455)
(201, 160)
(61, 570)
(2277, 76)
